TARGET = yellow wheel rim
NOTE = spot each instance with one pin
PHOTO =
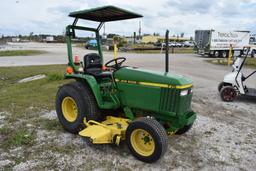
(142, 142)
(69, 109)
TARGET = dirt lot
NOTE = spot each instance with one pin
(223, 136)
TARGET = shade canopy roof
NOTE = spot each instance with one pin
(104, 14)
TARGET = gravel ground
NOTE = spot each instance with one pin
(222, 138)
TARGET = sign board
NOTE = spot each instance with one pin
(223, 40)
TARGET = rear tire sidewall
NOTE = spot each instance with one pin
(82, 107)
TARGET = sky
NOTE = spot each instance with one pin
(179, 16)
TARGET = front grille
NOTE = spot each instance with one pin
(168, 99)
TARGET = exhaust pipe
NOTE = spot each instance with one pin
(167, 51)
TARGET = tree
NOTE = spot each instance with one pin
(30, 35)
(120, 41)
(111, 35)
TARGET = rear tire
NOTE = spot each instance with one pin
(224, 54)
(147, 139)
(228, 93)
(74, 102)
(216, 54)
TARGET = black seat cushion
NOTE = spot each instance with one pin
(93, 66)
(92, 60)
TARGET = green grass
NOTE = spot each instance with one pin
(50, 124)
(251, 62)
(55, 76)
(22, 98)
(21, 52)
(22, 104)
(5, 130)
(15, 137)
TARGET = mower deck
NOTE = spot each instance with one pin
(111, 130)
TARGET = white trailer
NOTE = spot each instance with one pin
(217, 43)
(49, 39)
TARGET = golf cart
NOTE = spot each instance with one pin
(122, 103)
(233, 83)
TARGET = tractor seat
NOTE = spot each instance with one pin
(93, 66)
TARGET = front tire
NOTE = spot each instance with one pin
(147, 139)
(228, 93)
(74, 102)
(221, 84)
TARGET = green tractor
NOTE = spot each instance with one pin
(122, 103)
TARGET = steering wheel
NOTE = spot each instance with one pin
(118, 62)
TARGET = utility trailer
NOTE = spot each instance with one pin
(217, 43)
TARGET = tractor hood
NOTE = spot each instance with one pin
(146, 76)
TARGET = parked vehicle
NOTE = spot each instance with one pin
(91, 44)
(188, 44)
(172, 44)
(253, 45)
(177, 44)
(234, 83)
(158, 44)
(217, 43)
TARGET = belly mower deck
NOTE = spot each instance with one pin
(111, 130)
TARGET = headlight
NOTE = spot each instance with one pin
(184, 92)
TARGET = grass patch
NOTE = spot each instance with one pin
(251, 62)
(51, 124)
(5, 130)
(21, 52)
(19, 99)
(67, 149)
(55, 77)
(16, 137)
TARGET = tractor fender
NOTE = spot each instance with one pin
(91, 82)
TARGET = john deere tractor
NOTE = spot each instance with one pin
(110, 103)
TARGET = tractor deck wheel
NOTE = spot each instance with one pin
(185, 129)
(147, 139)
(74, 102)
(228, 93)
